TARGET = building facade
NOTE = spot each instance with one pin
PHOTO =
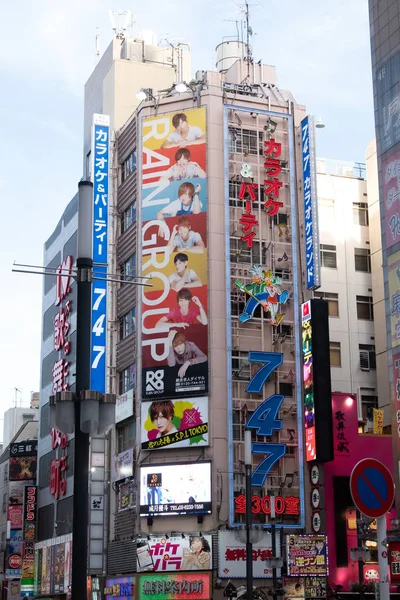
(14, 418)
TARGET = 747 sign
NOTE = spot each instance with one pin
(264, 419)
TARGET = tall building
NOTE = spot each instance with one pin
(385, 53)
(14, 418)
(347, 281)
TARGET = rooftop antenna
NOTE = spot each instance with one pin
(124, 20)
(249, 32)
(97, 45)
(17, 391)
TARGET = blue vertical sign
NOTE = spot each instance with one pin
(311, 230)
(101, 134)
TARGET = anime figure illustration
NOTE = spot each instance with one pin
(264, 289)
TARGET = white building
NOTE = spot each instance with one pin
(14, 418)
(347, 281)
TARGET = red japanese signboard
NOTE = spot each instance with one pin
(283, 506)
(58, 466)
(30, 512)
(62, 326)
(307, 555)
(394, 562)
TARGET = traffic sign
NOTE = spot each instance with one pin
(372, 488)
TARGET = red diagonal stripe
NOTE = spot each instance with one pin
(371, 487)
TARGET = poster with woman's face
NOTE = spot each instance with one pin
(174, 423)
(189, 552)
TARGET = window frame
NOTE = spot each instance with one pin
(125, 436)
(128, 166)
(128, 217)
(371, 349)
(127, 267)
(331, 298)
(360, 209)
(329, 249)
(365, 301)
(124, 379)
(245, 140)
(366, 253)
(126, 328)
(335, 346)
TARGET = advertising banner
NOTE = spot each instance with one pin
(175, 423)
(378, 421)
(307, 555)
(15, 544)
(308, 381)
(232, 555)
(14, 515)
(293, 588)
(178, 489)
(394, 297)
(30, 512)
(387, 85)
(189, 552)
(122, 465)
(54, 556)
(394, 562)
(174, 586)
(174, 255)
(311, 231)
(22, 468)
(391, 197)
(120, 587)
(396, 384)
(124, 406)
(16, 493)
(126, 496)
(26, 448)
(13, 565)
(100, 154)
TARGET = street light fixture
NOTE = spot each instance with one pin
(181, 87)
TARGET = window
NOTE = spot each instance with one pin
(240, 253)
(367, 357)
(284, 274)
(127, 324)
(368, 402)
(128, 268)
(128, 166)
(328, 256)
(126, 435)
(240, 365)
(360, 213)
(365, 308)
(243, 141)
(127, 379)
(362, 260)
(335, 354)
(285, 389)
(128, 217)
(332, 300)
(280, 219)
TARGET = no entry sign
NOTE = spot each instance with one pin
(372, 488)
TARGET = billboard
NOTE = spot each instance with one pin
(232, 555)
(126, 496)
(174, 255)
(391, 197)
(394, 562)
(394, 297)
(174, 423)
(311, 231)
(26, 448)
(387, 85)
(124, 406)
(307, 555)
(122, 465)
(30, 512)
(187, 552)
(14, 515)
(178, 489)
(174, 586)
(100, 153)
(53, 560)
(22, 468)
(120, 587)
(396, 384)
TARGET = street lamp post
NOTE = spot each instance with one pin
(249, 545)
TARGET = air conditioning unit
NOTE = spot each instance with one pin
(364, 360)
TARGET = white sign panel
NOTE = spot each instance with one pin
(123, 465)
(232, 555)
(173, 553)
(124, 406)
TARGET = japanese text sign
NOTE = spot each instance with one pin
(26, 448)
(232, 555)
(174, 586)
(307, 555)
(101, 135)
(176, 553)
(311, 233)
(120, 587)
(30, 512)
(124, 406)
(394, 297)
(396, 384)
(308, 380)
(391, 197)
(394, 562)
(62, 325)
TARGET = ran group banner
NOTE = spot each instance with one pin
(175, 423)
(174, 255)
(189, 552)
(307, 555)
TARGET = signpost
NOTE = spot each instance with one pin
(372, 490)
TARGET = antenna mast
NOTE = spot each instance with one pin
(249, 32)
(97, 45)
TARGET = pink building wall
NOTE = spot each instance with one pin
(349, 448)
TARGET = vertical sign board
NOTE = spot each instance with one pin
(101, 142)
(308, 386)
(311, 231)
(394, 297)
(174, 255)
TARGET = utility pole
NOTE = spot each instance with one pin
(249, 545)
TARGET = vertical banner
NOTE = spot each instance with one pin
(174, 256)
(308, 383)
(396, 385)
(394, 297)
(391, 197)
(100, 152)
(311, 231)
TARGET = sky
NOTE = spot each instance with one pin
(47, 51)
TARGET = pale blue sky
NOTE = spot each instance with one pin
(321, 51)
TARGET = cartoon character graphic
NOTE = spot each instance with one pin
(263, 289)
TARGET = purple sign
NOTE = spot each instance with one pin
(391, 198)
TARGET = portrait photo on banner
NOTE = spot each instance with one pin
(174, 255)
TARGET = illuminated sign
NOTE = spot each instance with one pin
(124, 406)
(190, 552)
(120, 587)
(59, 465)
(62, 325)
(394, 562)
(308, 382)
(283, 506)
(174, 328)
(123, 465)
(394, 297)
(174, 586)
(311, 231)
(100, 153)
(307, 555)
(264, 290)
(232, 555)
(177, 489)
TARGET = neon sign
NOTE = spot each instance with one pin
(308, 381)
(264, 289)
